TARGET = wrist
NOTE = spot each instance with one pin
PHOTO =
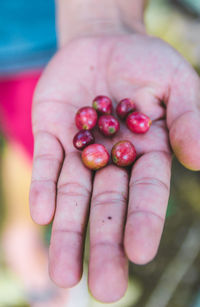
(94, 17)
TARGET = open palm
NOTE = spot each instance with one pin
(127, 210)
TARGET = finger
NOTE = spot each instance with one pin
(47, 161)
(108, 267)
(183, 116)
(66, 248)
(147, 98)
(148, 198)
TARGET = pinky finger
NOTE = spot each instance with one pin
(47, 162)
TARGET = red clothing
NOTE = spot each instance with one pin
(16, 94)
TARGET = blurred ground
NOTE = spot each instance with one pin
(173, 278)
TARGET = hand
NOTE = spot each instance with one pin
(127, 211)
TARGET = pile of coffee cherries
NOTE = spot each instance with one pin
(96, 156)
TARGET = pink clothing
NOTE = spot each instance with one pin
(16, 94)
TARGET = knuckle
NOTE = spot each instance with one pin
(109, 197)
(107, 244)
(146, 213)
(47, 157)
(150, 181)
(73, 189)
(39, 189)
(65, 231)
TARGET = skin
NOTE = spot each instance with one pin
(150, 72)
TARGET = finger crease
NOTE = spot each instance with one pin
(72, 194)
(147, 212)
(72, 188)
(150, 181)
(108, 198)
(106, 244)
(54, 101)
(68, 231)
(47, 133)
(47, 157)
(43, 181)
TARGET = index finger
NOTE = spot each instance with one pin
(48, 157)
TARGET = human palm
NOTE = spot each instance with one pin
(126, 210)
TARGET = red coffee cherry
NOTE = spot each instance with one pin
(123, 153)
(138, 122)
(95, 156)
(103, 105)
(108, 125)
(82, 139)
(124, 107)
(86, 118)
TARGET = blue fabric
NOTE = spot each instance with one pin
(27, 34)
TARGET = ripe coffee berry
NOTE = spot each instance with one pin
(86, 118)
(103, 105)
(82, 139)
(95, 156)
(138, 122)
(124, 107)
(108, 125)
(123, 153)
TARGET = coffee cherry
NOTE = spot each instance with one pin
(138, 122)
(123, 153)
(95, 156)
(124, 107)
(108, 125)
(103, 105)
(82, 139)
(86, 118)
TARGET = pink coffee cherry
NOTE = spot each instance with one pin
(102, 104)
(82, 139)
(123, 153)
(108, 125)
(95, 156)
(138, 122)
(124, 107)
(86, 118)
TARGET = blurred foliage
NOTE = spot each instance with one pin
(188, 6)
(11, 290)
(47, 234)
(168, 20)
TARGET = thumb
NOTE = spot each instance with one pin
(183, 116)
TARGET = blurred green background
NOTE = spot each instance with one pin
(173, 278)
